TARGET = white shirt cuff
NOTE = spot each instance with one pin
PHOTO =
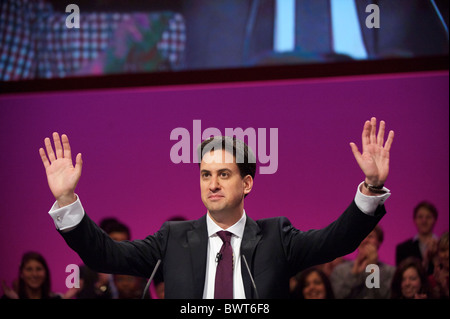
(67, 217)
(369, 204)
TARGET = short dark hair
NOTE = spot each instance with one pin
(112, 225)
(245, 158)
(428, 206)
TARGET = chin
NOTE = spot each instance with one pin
(215, 209)
(35, 286)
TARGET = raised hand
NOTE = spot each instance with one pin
(374, 160)
(367, 254)
(8, 291)
(62, 176)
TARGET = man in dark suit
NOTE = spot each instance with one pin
(423, 245)
(193, 252)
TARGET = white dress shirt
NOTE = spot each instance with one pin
(214, 246)
(68, 217)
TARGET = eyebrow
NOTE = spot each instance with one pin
(219, 170)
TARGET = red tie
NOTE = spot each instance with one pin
(224, 272)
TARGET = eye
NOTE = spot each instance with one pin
(224, 174)
(205, 175)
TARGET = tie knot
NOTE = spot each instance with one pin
(225, 236)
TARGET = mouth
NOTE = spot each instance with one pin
(314, 294)
(409, 291)
(215, 197)
(35, 282)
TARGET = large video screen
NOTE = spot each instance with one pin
(52, 39)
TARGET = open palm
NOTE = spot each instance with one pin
(62, 176)
(374, 160)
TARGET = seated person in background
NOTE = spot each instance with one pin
(410, 281)
(328, 267)
(423, 244)
(34, 279)
(348, 279)
(128, 287)
(439, 280)
(94, 285)
(312, 283)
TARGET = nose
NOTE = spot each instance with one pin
(35, 273)
(407, 283)
(214, 184)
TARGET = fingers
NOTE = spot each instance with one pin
(78, 163)
(389, 141)
(49, 149)
(355, 151)
(62, 150)
(58, 146)
(369, 135)
(44, 158)
(380, 137)
(66, 146)
(366, 135)
(373, 130)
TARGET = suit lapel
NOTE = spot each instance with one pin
(198, 245)
(249, 242)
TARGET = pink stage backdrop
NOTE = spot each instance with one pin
(124, 135)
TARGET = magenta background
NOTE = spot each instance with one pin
(127, 173)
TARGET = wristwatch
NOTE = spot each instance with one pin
(375, 189)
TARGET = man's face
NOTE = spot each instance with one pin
(118, 235)
(424, 221)
(371, 239)
(222, 187)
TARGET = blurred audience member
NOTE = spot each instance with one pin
(439, 279)
(410, 280)
(424, 244)
(348, 279)
(312, 283)
(128, 287)
(95, 285)
(158, 282)
(115, 229)
(328, 268)
(34, 279)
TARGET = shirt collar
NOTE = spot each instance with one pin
(415, 238)
(237, 229)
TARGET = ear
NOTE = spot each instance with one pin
(248, 184)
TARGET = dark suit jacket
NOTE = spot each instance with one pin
(274, 249)
(410, 248)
